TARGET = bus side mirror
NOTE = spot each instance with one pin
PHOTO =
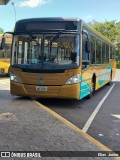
(2, 44)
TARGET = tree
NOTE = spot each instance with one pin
(108, 29)
(111, 30)
(117, 39)
(1, 30)
(117, 43)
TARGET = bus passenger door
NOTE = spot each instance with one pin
(85, 51)
(84, 85)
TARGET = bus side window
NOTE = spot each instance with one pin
(85, 50)
(93, 50)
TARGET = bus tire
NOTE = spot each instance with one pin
(92, 88)
(93, 83)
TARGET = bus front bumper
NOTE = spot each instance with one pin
(65, 91)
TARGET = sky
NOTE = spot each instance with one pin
(87, 10)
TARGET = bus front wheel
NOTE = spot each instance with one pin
(92, 88)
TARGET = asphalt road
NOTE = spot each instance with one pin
(105, 126)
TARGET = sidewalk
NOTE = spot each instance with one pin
(30, 126)
(117, 76)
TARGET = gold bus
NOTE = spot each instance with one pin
(59, 58)
(5, 55)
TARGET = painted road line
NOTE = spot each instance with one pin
(5, 81)
(2, 80)
(90, 120)
(75, 128)
(116, 115)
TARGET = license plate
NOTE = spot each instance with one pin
(41, 88)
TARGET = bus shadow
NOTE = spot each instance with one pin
(4, 76)
(62, 103)
(6, 95)
(70, 103)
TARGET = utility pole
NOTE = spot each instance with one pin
(14, 10)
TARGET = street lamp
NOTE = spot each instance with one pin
(14, 10)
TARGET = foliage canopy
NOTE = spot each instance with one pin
(1, 30)
(111, 30)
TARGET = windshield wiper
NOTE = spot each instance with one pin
(33, 38)
(55, 38)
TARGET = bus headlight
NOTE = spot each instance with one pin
(13, 77)
(74, 79)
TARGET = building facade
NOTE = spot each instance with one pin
(4, 2)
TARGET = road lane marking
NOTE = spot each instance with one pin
(91, 118)
(73, 127)
(4, 81)
(116, 115)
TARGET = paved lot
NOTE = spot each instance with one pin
(28, 126)
(117, 76)
(105, 126)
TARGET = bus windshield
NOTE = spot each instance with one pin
(46, 51)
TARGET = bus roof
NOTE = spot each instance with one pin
(68, 24)
(49, 19)
(59, 19)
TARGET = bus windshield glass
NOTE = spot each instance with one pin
(46, 51)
